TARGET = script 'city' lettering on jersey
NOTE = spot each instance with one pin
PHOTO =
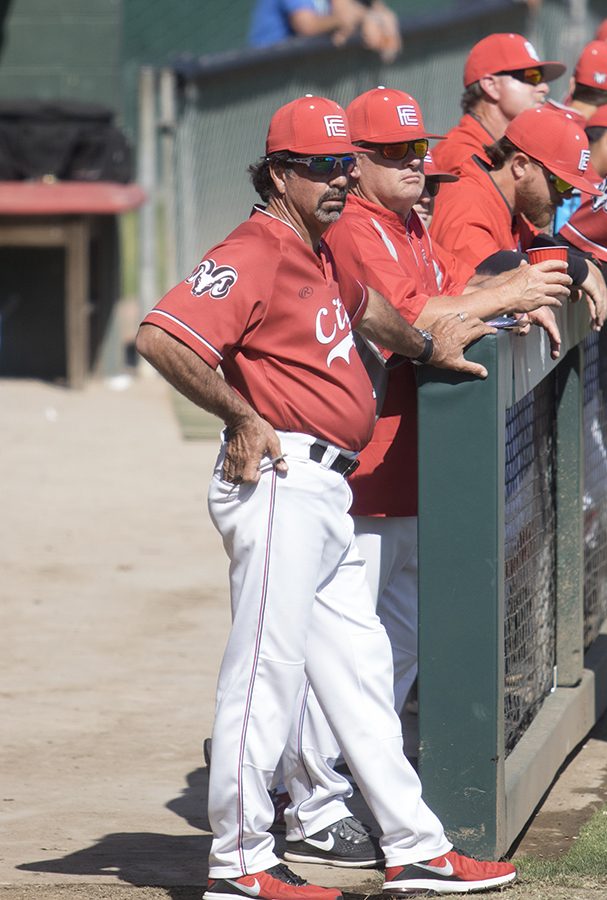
(407, 114)
(336, 126)
(329, 324)
(209, 278)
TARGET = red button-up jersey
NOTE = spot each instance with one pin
(274, 315)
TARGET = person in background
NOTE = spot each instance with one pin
(274, 21)
(587, 228)
(601, 32)
(505, 203)
(503, 76)
(433, 180)
(587, 94)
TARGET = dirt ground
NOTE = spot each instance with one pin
(114, 618)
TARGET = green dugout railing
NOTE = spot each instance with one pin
(481, 776)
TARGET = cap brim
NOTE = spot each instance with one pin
(552, 69)
(442, 176)
(578, 181)
(397, 137)
(333, 149)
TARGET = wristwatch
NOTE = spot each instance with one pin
(426, 353)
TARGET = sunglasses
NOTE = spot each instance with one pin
(528, 76)
(326, 165)
(432, 187)
(560, 185)
(399, 151)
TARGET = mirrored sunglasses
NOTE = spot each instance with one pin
(560, 185)
(528, 76)
(399, 151)
(326, 165)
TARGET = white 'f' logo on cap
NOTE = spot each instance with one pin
(600, 77)
(584, 160)
(407, 115)
(335, 125)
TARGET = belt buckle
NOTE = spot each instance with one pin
(352, 467)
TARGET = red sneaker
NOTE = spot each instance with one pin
(277, 883)
(453, 873)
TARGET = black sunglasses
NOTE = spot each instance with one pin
(432, 186)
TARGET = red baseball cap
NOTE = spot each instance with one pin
(506, 53)
(430, 170)
(556, 141)
(591, 67)
(310, 125)
(601, 32)
(386, 116)
(598, 119)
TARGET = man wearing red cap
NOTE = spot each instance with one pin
(543, 155)
(267, 304)
(433, 178)
(503, 76)
(587, 228)
(588, 93)
(380, 241)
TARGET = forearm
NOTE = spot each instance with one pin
(383, 325)
(191, 376)
(484, 303)
(307, 23)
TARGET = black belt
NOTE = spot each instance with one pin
(342, 463)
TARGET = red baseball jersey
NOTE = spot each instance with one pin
(587, 227)
(465, 139)
(273, 314)
(399, 260)
(475, 220)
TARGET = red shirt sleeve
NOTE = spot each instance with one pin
(212, 310)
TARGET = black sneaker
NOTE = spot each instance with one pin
(277, 883)
(346, 843)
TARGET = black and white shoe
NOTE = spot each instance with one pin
(346, 843)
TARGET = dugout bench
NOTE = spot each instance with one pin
(75, 217)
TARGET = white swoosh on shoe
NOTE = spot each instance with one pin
(327, 844)
(446, 870)
(253, 890)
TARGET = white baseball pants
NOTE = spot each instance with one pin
(319, 794)
(301, 607)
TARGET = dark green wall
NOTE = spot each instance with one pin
(62, 48)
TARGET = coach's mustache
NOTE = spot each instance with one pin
(334, 194)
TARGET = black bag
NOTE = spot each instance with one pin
(67, 139)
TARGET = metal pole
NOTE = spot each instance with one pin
(168, 124)
(148, 293)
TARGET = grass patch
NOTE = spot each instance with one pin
(587, 857)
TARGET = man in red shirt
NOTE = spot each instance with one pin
(269, 305)
(380, 241)
(502, 205)
(503, 76)
(587, 228)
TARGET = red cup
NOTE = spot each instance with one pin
(539, 254)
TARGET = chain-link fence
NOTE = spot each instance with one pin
(530, 558)
(595, 485)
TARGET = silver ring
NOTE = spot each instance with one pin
(462, 316)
